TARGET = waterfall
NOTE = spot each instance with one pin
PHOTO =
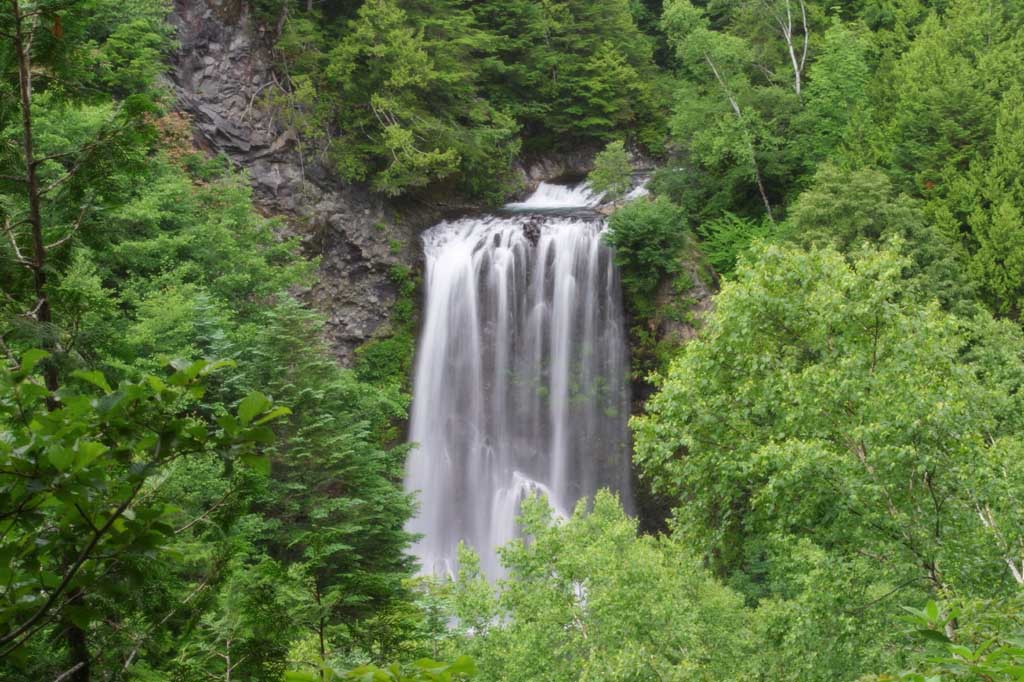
(521, 383)
(549, 196)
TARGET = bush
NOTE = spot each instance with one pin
(726, 238)
(647, 237)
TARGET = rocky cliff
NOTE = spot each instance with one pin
(218, 73)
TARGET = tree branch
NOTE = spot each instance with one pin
(83, 556)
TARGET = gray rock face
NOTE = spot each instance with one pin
(218, 74)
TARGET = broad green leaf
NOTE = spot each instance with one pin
(214, 366)
(259, 463)
(464, 665)
(273, 414)
(252, 405)
(31, 358)
(93, 377)
(61, 457)
(259, 434)
(88, 451)
(933, 635)
(301, 676)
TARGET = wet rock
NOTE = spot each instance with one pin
(531, 230)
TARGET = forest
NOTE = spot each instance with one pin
(829, 473)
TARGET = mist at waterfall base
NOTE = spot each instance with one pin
(521, 382)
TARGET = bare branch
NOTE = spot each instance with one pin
(84, 555)
(69, 672)
(71, 233)
(205, 514)
(807, 34)
(18, 255)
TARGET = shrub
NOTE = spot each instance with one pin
(647, 237)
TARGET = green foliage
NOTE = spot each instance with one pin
(423, 670)
(588, 599)
(836, 115)
(657, 265)
(647, 237)
(846, 209)
(417, 96)
(77, 469)
(730, 127)
(997, 225)
(408, 103)
(827, 419)
(845, 434)
(612, 171)
(727, 238)
(387, 361)
(569, 71)
(990, 652)
(157, 253)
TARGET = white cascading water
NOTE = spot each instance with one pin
(549, 197)
(521, 381)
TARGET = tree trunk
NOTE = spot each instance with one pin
(78, 646)
(78, 643)
(320, 627)
(22, 48)
(739, 115)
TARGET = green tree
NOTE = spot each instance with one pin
(569, 71)
(726, 126)
(846, 208)
(727, 238)
(830, 425)
(423, 670)
(612, 174)
(408, 105)
(837, 108)
(997, 225)
(588, 599)
(337, 495)
(75, 475)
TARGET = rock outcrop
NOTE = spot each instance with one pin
(219, 73)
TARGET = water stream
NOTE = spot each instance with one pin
(521, 380)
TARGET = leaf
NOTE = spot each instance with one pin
(228, 423)
(259, 434)
(934, 635)
(273, 414)
(31, 358)
(88, 451)
(252, 405)
(214, 366)
(259, 463)
(81, 616)
(300, 676)
(186, 372)
(94, 377)
(62, 458)
(178, 364)
(463, 665)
